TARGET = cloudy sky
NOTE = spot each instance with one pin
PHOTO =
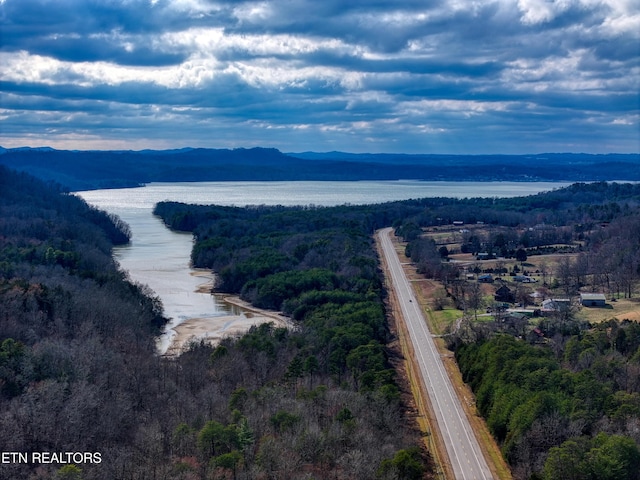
(415, 76)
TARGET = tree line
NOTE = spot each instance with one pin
(575, 213)
(79, 369)
(317, 265)
(570, 409)
(81, 170)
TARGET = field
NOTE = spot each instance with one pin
(622, 309)
(541, 268)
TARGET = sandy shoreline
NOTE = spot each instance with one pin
(213, 329)
(206, 287)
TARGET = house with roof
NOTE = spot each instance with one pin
(551, 306)
(504, 294)
(593, 299)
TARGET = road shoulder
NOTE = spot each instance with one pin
(426, 419)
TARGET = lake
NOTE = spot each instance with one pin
(160, 258)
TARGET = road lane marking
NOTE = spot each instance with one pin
(420, 336)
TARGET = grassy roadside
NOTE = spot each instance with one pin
(424, 290)
(408, 370)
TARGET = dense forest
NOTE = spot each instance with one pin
(571, 401)
(79, 372)
(84, 170)
(568, 410)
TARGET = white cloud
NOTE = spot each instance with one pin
(540, 11)
(390, 70)
(217, 42)
(253, 12)
(464, 108)
(22, 67)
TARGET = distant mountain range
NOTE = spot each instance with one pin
(84, 170)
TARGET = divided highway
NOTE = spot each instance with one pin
(462, 447)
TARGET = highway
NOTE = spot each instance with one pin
(463, 450)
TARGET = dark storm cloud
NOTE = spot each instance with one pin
(27, 19)
(513, 75)
(76, 31)
(74, 49)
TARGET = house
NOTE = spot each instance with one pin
(485, 278)
(555, 305)
(504, 294)
(593, 299)
(536, 297)
(514, 324)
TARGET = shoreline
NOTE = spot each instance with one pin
(214, 329)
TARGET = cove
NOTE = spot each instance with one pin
(160, 258)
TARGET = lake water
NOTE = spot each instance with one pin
(159, 258)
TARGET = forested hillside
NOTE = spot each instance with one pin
(71, 328)
(570, 409)
(572, 401)
(319, 266)
(79, 373)
(84, 170)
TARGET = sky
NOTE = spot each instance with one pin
(410, 76)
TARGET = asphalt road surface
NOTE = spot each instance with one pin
(462, 447)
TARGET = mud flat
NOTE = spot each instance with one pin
(214, 329)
